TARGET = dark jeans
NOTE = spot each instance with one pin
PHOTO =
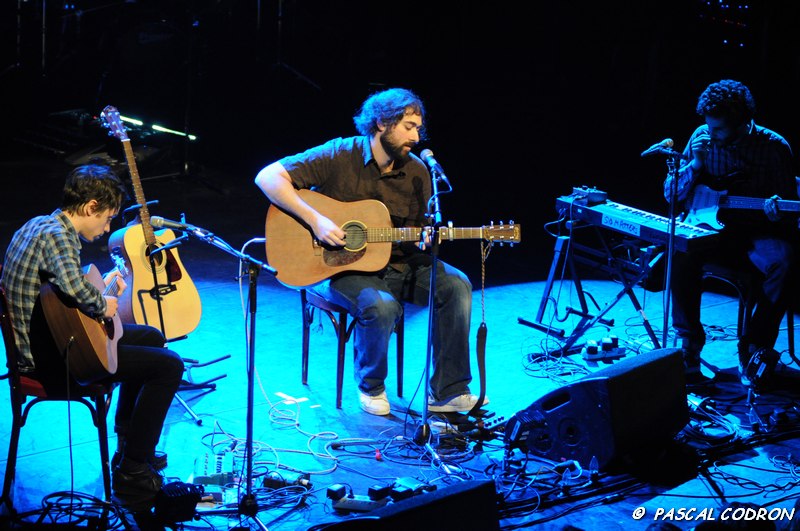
(772, 257)
(148, 374)
(374, 301)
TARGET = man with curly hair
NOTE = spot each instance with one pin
(379, 164)
(732, 153)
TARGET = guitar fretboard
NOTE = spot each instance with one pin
(138, 192)
(406, 234)
(754, 203)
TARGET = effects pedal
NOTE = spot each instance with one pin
(214, 469)
(607, 349)
(590, 196)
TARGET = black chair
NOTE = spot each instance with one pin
(343, 326)
(744, 282)
(26, 392)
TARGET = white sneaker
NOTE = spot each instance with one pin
(456, 403)
(374, 405)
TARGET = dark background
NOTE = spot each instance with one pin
(525, 100)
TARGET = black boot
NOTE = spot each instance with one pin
(135, 485)
(691, 366)
(158, 461)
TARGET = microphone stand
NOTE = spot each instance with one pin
(672, 172)
(422, 436)
(248, 505)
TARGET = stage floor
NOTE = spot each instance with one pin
(719, 459)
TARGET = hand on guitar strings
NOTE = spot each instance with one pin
(328, 232)
(112, 303)
(424, 238)
(771, 208)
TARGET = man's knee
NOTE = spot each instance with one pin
(385, 310)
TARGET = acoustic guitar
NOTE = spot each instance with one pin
(160, 292)
(705, 203)
(90, 343)
(301, 260)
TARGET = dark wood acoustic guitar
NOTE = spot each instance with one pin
(90, 343)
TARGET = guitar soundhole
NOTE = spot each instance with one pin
(356, 238)
(158, 258)
(164, 260)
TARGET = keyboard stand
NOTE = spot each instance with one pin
(567, 252)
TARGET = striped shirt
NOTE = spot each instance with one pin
(46, 248)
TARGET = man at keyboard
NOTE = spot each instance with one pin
(731, 152)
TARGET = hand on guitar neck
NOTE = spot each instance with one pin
(114, 280)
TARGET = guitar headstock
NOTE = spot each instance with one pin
(502, 233)
(119, 261)
(111, 119)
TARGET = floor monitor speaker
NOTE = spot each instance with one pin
(444, 508)
(635, 403)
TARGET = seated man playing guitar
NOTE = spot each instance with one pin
(731, 152)
(379, 165)
(46, 250)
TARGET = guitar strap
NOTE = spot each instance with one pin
(481, 355)
(480, 340)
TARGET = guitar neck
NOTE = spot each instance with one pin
(112, 289)
(409, 234)
(138, 192)
(754, 203)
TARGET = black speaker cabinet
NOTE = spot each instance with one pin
(448, 507)
(638, 402)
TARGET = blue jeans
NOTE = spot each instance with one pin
(771, 256)
(374, 301)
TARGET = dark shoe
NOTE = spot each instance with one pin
(758, 370)
(135, 485)
(698, 380)
(691, 367)
(158, 461)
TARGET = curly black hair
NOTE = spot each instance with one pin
(387, 108)
(92, 181)
(727, 99)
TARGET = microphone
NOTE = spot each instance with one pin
(656, 148)
(161, 223)
(663, 148)
(427, 156)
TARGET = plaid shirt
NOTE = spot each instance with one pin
(46, 248)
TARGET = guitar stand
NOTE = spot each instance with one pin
(629, 274)
(189, 384)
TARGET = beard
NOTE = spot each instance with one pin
(393, 148)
